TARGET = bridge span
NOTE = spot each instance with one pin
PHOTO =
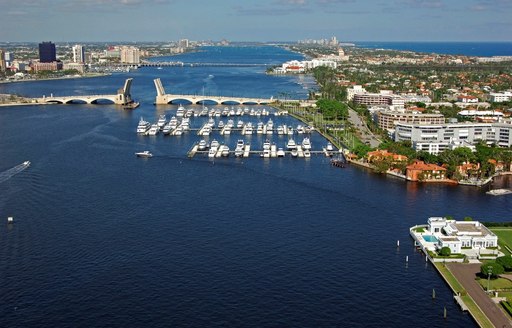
(162, 98)
(123, 97)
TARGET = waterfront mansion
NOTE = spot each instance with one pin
(457, 235)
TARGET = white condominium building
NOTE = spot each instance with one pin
(435, 138)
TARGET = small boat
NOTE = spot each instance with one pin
(294, 152)
(220, 125)
(131, 105)
(499, 192)
(307, 153)
(26, 163)
(300, 129)
(280, 152)
(329, 147)
(240, 124)
(266, 145)
(145, 154)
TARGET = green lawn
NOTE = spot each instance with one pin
(504, 238)
(499, 283)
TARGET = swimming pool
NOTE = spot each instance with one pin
(430, 238)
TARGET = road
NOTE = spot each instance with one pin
(366, 135)
(465, 274)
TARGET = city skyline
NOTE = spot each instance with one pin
(265, 20)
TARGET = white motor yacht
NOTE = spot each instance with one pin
(180, 112)
(214, 144)
(259, 129)
(291, 144)
(143, 126)
(161, 121)
(240, 124)
(329, 147)
(202, 145)
(280, 152)
(306, 144)
(167, 129)
(153, 130)
(294, 152)
(239, 150)
(307, 153)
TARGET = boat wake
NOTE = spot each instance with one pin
(6, 175)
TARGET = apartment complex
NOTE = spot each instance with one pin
(387, 119)
(435, 138)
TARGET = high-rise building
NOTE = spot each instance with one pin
(183, 43)
(9, 58)
(47, 52)
(78, 54)
(2, 60)
(130, 55)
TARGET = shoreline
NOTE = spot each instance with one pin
(58, 78)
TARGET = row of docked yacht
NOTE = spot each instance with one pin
(306, 144)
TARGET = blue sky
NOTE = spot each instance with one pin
(255, 20)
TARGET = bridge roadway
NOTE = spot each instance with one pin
(123, 97)
(163, 98)
(182, 64)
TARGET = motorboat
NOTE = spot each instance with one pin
(212, 152)
(300, 129)
(161, 121)
(167, 129)
(239, 149)
(225, 112)
(221, 124)
(153, 130)
(189, 113)
(214, 144)
(329, 147)
(291, 145)
(26, 163)
(280, 130)
(265, 153)
(206, 130)
(280, 152)
(306, 144)
(290, 130)
(224, 150)
(202, 145)
(143, 126)
(259, 129)
(248, 128)
(499, 192)
(294, 152)
(307, 153)
(240, 124)
(227, 130)
(230, 123)
(173, 122)
(178, 131)
(266, 145)
(145, 154)
(180, 112)
(185, 124)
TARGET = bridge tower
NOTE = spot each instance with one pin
(123, 95)
(161, 97)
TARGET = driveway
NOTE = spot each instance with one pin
(465, 274)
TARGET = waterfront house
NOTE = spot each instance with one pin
(468, 170)
(467, 238)
(384, 154)
(457, 235)
(421, 171)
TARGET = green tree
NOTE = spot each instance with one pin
(505, 261)
(445, 251)
(494, 268)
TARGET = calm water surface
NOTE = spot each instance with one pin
(103, 238)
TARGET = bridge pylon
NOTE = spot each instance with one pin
(161, 97)
(124, 96)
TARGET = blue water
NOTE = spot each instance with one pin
(429, 238)
(102, 238)
(483, 49)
